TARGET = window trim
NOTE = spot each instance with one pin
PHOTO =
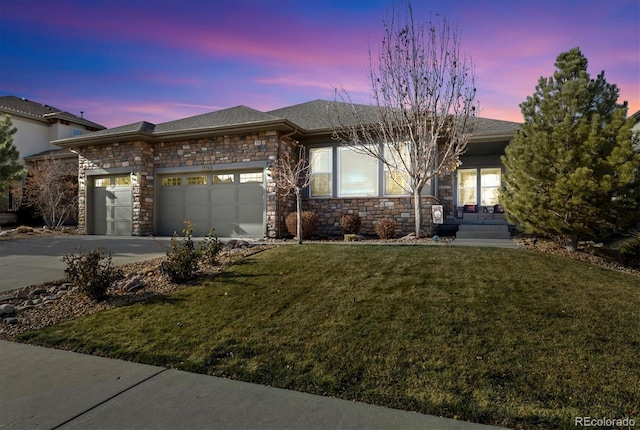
(478, 187)
(381, 173)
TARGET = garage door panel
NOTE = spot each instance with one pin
(221, 201)
(112, 208)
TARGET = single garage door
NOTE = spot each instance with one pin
(230, 202)
(111, 205)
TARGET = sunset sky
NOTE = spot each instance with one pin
(123, 61)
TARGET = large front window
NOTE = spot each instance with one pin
(357, 174)
(479, 186)
(342, 171)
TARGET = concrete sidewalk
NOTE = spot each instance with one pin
(47, 388)
(30, 261)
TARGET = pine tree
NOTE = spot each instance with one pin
(10, 168)
(571, 170)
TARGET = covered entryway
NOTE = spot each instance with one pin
(233, 203)
(111, 208)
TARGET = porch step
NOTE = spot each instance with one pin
(483, 231)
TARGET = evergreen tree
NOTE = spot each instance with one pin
(10, 168)
(571, 170)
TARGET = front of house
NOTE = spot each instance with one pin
(213, 169)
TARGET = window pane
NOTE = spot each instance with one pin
(123, 181)
(171, 182)
(223, 179)
(251, 178)
(196, 180)
(358, 174)
(396, 182)
(396, 179)
(490, 186)
(101, 182)
(467, 187)
(321, 172)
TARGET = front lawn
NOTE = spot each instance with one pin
(505, 337)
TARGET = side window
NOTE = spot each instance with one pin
(321, 172)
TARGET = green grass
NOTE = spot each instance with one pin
(504, 337)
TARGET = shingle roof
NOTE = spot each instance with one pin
(227, 117)
(29, 108)
(55, 153)
(318, 115)
(314, 117)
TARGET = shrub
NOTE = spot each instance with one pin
(309, 224)
(182, 257)
(350, 223)
(210, 248)
(91, 272)
(630, 251)
(386, 228)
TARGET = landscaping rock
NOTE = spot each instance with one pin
(22, 294)
(237, 244)
(10, 320)
(131, 284)
(7, 310)
(37, 292)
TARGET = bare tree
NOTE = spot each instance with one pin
(52, 190)
(293, 176)
(423, 93)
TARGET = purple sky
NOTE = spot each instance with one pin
(123, 61)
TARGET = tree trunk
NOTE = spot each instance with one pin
(417, 209)
(572, 245)
(299, 216)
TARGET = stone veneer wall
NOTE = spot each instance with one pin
(138, 156)
(370, 210)
(144, 157)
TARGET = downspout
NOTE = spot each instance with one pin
(278, 214)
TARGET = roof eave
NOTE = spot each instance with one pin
(254, 127)
(89, 140)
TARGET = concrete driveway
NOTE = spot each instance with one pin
(29, 261)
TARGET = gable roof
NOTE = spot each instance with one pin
(41, 112)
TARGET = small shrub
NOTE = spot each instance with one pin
(210, 248)
(91, 272)
(386, 228)
(182, 256)
(630, 251)
(350, 223)
(309, 224)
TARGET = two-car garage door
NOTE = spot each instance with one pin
(231, 202)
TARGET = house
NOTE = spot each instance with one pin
(144, 179)
(37, 125)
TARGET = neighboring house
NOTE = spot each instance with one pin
(37, 125)
(144, 179)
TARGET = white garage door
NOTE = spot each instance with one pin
(111, 205)
(232, 203)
